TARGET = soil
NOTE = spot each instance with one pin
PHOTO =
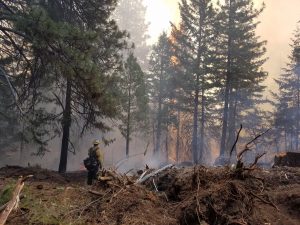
(191, 195)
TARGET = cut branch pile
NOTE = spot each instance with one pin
(192, 195)
(113, 178)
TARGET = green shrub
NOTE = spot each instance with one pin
(6, 194)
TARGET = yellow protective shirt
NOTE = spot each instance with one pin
(98, 152)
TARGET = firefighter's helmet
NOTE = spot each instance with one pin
(96, 142)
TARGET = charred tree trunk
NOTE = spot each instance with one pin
(195, 125)
(158, 129)
(167, 134)
(232, 122)
(230, 128)
(225, 119)
(167, 144)
(22, 144)
(178, 136)
(66, 125)
(227, 84)
(285, 138)
(197, 88)
(159, 112)
(298, 108)
(201, 150)
(291, 140)
(128, 120)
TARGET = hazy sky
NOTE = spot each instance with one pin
(278, 22)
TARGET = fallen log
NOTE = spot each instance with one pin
(143, 174)
(95, 193)
(14, 202)
(106, 178)
(143, 179)
(3, 207)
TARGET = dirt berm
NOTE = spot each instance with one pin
(193, 195)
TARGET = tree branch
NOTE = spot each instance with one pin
(236, 140)
(2, 29)
(7, 7)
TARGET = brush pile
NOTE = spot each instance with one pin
(171, 195)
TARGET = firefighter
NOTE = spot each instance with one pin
(94, 162)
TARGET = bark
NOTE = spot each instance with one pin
(291, 140)
(197, 89)
(195, 124)
(232, 122)
(201, 150)
(178, 137)
(158, 129)
(285, 138)
(159, 112)
(298, 108)
(167, 144)
(22, 144)
(128, 119)
(66, 124)
(227, 85)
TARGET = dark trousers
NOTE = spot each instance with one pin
(92, 174)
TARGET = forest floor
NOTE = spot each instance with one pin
(192, 195)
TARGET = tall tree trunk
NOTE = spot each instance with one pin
(178, 137)
(197, 88)
(291, 140)
(158, 129)
(201, 150)
(298, 108)
(66, 125)
(231, 121)
(128, 119)
(22, 144)
(167, 134)
(167, 144)
(225, 119)
(228, 83)
(159, 112)
(285, 139)
(195, 125)
(128, 131)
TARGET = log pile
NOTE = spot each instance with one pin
(113, 178)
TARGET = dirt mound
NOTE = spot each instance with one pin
(38, 173)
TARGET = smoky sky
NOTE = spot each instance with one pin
(278, 23)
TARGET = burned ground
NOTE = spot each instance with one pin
(192, 195)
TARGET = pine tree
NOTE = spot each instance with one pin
(244, 55)
(134, 100)
(159, 87)
(194, 49)
(288, 99)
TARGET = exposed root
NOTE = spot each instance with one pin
(264, 201)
